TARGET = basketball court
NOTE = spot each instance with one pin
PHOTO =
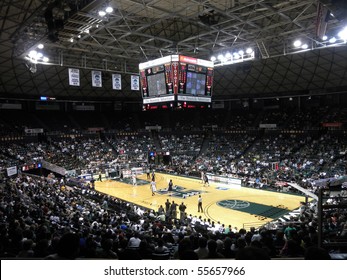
(229, 204)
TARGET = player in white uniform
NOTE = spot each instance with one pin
(134, 179)
(153, 187)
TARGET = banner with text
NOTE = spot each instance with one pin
(11, 171)
(116, 81)
(135, 82)
(96, 79)
(267, 125)
(33, 130)
(74, 77)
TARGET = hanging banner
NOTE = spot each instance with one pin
(74, 77)
(96, 79)
(135, 82)
(116, 81)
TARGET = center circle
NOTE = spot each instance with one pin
(233, 204)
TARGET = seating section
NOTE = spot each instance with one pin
(37, 210)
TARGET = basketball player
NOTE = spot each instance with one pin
(169, 189)
(206, 180)
(153, 187)
(148, 173)
(134, 179)
(202, 177)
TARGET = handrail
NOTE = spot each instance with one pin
(305, 191)
(253, 224)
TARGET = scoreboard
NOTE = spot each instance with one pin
(176, 78)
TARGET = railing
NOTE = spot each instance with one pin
(305, 191)
(248, 226)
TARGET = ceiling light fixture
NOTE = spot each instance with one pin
(220, 57)
(236, 55)
(32, 54)
(297, 43)
(332, 40)
(109, 9)
(102, 13)
(249, 51)
(343, 34)
(233, 57)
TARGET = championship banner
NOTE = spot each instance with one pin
(96, 79)
(135, 82)
(116, 81)
(74, 77)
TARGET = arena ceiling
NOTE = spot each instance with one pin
(75, 35)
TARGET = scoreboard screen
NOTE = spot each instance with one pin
(176, 78)
(196, 83)
(156, 84)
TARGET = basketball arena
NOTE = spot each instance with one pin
(152, 130)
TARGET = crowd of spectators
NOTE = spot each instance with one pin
(291, 157)
(134, 147)
(69, 153)
(41, 218)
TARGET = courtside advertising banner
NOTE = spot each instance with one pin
(116, 81)
(74, 77)
(11, 171)
(96, 79)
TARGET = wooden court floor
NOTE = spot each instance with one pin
(220, 202)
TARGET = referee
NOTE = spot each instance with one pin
(200, 204)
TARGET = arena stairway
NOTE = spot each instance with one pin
(245, 151)
(155, 137)
(205, 144)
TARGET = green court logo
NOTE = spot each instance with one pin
(256, 209)
(233, 204)
(180, 192)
